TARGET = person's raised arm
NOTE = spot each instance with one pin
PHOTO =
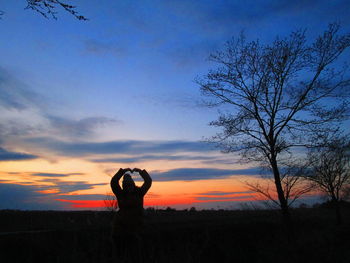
(115, 181)
(146, 178)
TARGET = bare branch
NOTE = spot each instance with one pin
(47, 8)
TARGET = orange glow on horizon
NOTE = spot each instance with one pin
(50, 191)
(95, 178)
(85, 203)
(161, 202)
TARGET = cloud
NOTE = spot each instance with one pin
(191, 174)
(220, 193)
(16, 95)
(82, 197)
(182, 100)
(35, 122)
(189, 55)
(29, 123)
(117, 147)
(27, 113)
(133, 159)
(16, 127)
(221, 161)
(97, 47)
(64, 187)
(36, 197)
(221, 198)
(54, 174)
(15, 196)
(78, 128)
(20, 107)
(15, 156)
(209, 24)
(212, 17)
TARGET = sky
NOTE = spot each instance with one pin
(80, 99)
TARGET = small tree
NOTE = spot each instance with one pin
(111, 202)
(330, 171)
(277, 96)
(346, 193)
(293, 184)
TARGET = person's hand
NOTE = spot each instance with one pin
(137, 170)
(127, 170)
(121, 172)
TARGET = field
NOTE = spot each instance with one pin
(177, 236)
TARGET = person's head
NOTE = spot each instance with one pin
(128, 183)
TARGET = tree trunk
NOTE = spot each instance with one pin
(280, 193)
(336, 206)
(288, 224)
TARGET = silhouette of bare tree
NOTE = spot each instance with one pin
(276, 97)
(110, 202)
(330, 170)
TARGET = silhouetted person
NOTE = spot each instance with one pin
(128, 221)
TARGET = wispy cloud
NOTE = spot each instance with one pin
(25, 112)
(97, 47)
(78, 128)
(82, 197)
(133, 159)
(15, 156)
(16, 196)
(214, 196)
(64, 187)
(191, 174)
(223, 198)
(29, 123)
(17, 95)
(188, 56)
(54, 174)
(220, 193)
(44, 194)
(117, 147)
(230, 14)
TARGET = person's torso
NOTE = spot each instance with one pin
(131, 202)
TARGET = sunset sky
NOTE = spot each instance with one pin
(80, 99)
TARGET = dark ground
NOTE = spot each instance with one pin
(177, 236)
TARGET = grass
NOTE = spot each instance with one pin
(177, 236)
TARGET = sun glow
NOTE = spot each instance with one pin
(52, 175)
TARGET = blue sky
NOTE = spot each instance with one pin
(119, 88)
